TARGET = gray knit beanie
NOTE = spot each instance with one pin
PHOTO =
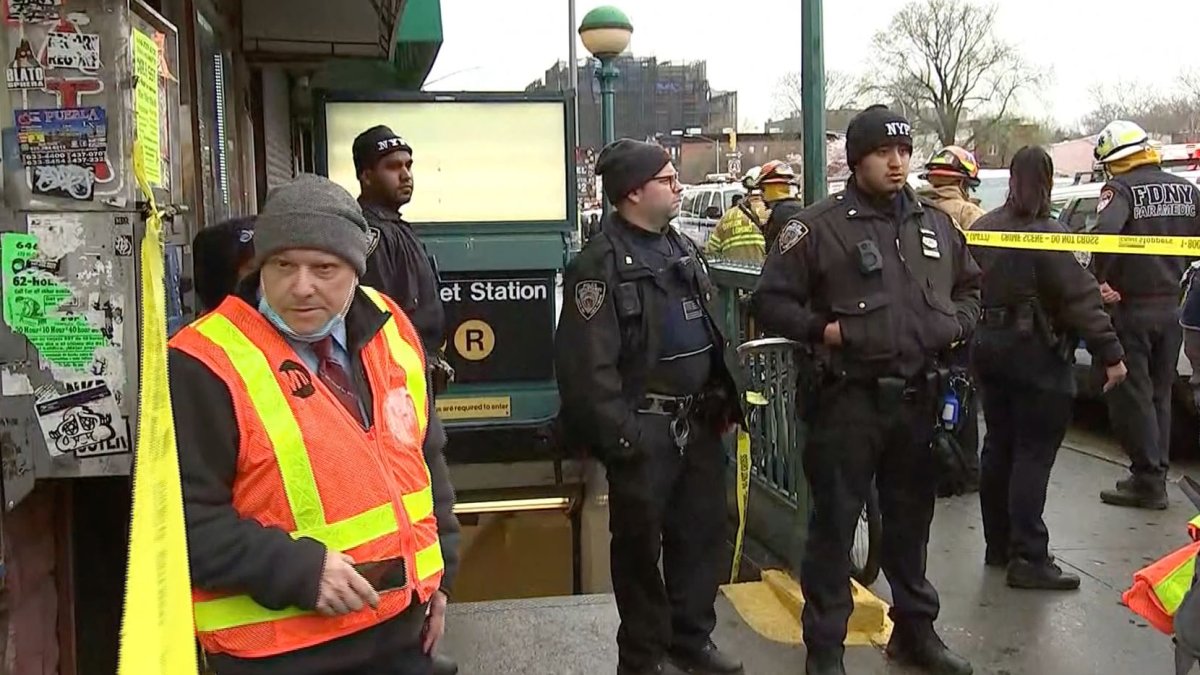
(312, 212)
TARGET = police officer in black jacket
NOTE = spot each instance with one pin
(397, 262)
(1036, 305)
(649, 383)
(1143, 294)
(885, 286)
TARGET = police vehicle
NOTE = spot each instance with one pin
(702, 208)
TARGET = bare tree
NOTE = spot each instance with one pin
(1189, 82)
(1115, 101)
(841, 93)
(1160, 113)
(941, 61)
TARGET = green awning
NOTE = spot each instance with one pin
(418, 41)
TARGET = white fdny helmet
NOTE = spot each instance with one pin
(1120, 139)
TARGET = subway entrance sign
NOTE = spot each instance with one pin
(500, 242)
(500, 326)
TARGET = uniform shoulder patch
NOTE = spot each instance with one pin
(792, 233)
(1106, 197)
(589, 298)
(373, 235)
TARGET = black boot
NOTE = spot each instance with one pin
(707, 661)
(664, 668)
(921, 647)
(444, 665)
(1128, 483)
(1139, 493)
(1043, 576)
(824, 663)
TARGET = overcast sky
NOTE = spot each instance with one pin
(748, 46)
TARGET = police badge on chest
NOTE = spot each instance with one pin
(929, 244)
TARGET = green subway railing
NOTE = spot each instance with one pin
(777, 516)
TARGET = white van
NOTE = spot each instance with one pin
(703, 206)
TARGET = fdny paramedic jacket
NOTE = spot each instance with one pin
(230, 553)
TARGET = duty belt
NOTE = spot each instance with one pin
(678, 408)
(909, 389)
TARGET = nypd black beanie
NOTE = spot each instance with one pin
(874, 128)
(374, 144)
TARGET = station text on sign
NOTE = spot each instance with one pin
(495, 291)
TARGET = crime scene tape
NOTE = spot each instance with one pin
(1091, 243)
(743, 486)
(157, 632)
(743, 496)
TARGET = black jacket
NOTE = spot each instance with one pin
(400, 266)
(902, 293)
(1065, 291)
(1146, 201)
(603, 360)
(230, 553)
(781, 212)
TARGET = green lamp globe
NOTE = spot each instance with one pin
(605, 31)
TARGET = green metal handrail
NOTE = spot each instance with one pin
(779, 500)
(776, 434)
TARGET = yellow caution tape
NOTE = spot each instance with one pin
(755, 398)
(157, 632)
(1092, 243)
(743, 484)
(743, 496)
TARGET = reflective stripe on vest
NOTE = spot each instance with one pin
(299, 483)
(405, 356)
(429, 559)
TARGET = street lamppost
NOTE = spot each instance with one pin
(605, 32)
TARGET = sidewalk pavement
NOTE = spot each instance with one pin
(1003, 631)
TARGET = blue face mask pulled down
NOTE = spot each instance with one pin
(320, 334)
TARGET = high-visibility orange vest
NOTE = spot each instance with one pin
(1159, 588)
(306, 466)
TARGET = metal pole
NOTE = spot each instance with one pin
(607, 74)
(812, 99)
(573, 66)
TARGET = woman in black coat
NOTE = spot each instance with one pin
(1037, 304)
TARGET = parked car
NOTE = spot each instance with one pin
(703, 206)
(1075, 207)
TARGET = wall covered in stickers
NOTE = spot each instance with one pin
(84, 78)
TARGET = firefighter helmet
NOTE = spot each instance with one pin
(953, 162)
(776, 171)
(750, 180)
(1120, 139)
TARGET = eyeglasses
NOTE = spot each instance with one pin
(669, 181)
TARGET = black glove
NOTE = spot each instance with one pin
(441, 374)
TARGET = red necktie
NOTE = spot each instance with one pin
(335, 376)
